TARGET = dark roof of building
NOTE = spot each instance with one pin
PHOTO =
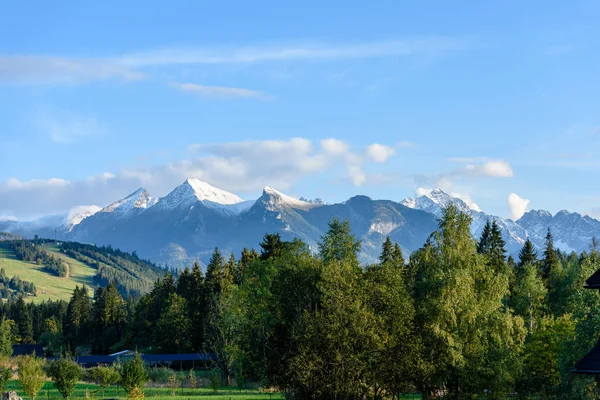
(148, 358)
(590, 363)
(95, 359)
(178, 357)
(593, 282)
(28, 349)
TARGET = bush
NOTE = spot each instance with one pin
(173, 383)
(31, 374)
(215, 381)
(160, 375)
(64, 374)
(5, 375)
(133, 377)
(104, 377)
(192, 379)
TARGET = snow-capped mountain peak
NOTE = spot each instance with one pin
(194, 190)
(136, 202)
(274, 199)
(434, 201)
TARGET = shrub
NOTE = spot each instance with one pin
(215, 381)
(31, 374)
(160, 375)
(192, 379)
(5, 375)
(173, 383)
(64, 373)
(104, 377)
(133, 377)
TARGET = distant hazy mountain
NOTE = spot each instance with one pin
(436, 200)
(195, 217)
(571, 231)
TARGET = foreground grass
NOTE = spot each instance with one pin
(49, 287)
(49, 392)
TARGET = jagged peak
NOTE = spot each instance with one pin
(276, 199)
(140, 199)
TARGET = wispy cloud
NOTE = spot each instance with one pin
(430, 45)
(68, 127)
(33, 69)
(245, 166)
(222, 92)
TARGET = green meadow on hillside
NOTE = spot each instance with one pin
(49, 287)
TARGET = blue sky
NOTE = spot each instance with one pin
(387, 98)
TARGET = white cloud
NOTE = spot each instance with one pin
(222, 92)
(34, 69)
(335, 146)
(428, 46)
(379, 153)
(243, 167)
(517, 205)
(495, 168)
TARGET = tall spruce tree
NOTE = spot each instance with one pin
(527, 255)
(550, 259)
(483, 246)
(387, 251)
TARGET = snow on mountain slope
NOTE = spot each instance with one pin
(274, 199)
(194, 190)
(436, 200)
(570, 230)
(78, 214)
(135, 203)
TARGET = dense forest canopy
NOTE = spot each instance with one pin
(459, 319)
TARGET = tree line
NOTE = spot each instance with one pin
(459, 319)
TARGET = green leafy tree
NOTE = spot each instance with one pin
(172, 333)
(65, 373)
(529, 295)
(339, 244)
(133, 377)
(6, 339)
(31, 374)
(104, 376)
(459, 305)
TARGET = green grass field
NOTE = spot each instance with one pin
(48, 392)
(49, 287)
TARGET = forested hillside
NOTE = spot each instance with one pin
(44, 269)
(459, 319)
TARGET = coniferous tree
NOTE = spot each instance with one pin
(247, 257)
(24, 321)
(78, 316)
(483, 246)
(398, 255)
(527, 255)
(271, 246)
(387, 251)
(550, 259)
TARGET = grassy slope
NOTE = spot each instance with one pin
(54, 287)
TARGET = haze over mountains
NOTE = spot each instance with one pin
(195, 217)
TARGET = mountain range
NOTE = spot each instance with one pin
(195, 217)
